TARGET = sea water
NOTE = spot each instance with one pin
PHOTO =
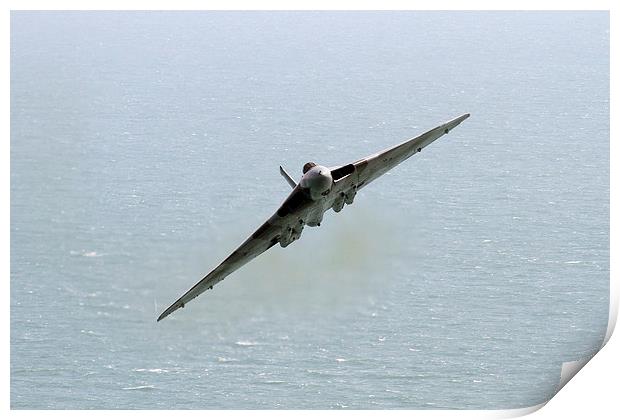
(145, 147)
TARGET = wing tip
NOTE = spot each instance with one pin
(170, 310)
(162, 316)
(448, 126)
(461, 118)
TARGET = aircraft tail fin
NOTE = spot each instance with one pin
(288, 178)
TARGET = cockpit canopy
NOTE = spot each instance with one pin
(308, 166)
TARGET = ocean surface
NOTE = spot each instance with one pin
(145, 147)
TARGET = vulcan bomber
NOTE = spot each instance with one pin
(320, 188)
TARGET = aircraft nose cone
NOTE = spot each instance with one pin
(318, 180)
(323, 180)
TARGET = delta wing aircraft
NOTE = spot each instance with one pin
(320, 189)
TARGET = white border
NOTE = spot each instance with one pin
(591, 393)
